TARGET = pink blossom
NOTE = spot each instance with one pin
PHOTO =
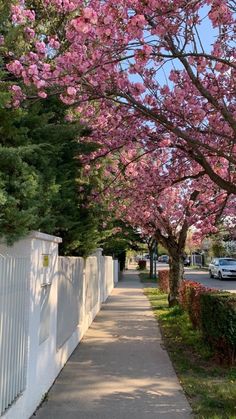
(122, 52)
(40, 83)
(71, 91)
(42, 94)
(40, 47)
(30, 33)
(90, 15)
(15, 67)
(54, 43)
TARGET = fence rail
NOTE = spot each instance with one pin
(14, 317)
(45, 309)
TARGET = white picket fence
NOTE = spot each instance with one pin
(70, 297)
(14, 321)
(46, 305)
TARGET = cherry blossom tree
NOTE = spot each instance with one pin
(167, 216)
(168, 65)
(143, 74)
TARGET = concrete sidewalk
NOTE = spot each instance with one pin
(119, 370)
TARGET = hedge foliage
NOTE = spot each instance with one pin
(211, 311)
(163, 280)
(218, 311)
(142, 264)
(189, 298)
(214, 313)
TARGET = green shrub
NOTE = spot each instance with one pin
(142, 264)
(218, 316)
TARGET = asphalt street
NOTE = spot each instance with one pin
(202, 276)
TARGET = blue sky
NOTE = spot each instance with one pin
(207, 35)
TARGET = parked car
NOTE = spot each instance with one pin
(187, 261)
(163, 259)
(222, 268)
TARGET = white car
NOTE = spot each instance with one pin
(222, 268)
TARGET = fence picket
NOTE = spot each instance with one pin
(77, 289)
(14, 316)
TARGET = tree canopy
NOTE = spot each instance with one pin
(168, 214)
(155, 68)
(157, 94)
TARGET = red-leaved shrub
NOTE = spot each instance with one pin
(189, 298)
(163, 280)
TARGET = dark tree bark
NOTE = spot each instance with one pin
(151, 272)
(176, 274)
(175, 247)
(151, 249)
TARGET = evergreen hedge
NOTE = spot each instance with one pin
(218, 314)
(142, 264)
(214, 313)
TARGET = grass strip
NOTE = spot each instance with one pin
(210, 388)
(144, 278)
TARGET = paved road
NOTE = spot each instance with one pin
(202, 276)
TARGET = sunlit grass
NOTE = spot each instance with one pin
(210, 388)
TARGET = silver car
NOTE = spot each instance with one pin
(222, 268)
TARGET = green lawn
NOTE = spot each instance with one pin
(144, 277)
(210, 388)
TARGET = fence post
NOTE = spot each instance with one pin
(41, 251)
(100, 262)
(116, 271)
(44, 358)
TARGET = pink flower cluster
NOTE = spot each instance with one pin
(117, 52)
(20, 15)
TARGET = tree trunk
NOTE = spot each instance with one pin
(151, 264)
(176, 276)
